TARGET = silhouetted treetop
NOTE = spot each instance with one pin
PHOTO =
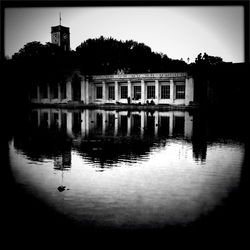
(108, 56)
(205, 59)
(102, 56)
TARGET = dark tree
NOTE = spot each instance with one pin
(107, 56)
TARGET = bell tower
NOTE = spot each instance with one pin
(60, 36)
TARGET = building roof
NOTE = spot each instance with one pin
(59, 28)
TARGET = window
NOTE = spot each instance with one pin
(179, 124)
(63, 90)
(180, 91)
(137, 92)
(99, 123)
(98, 92)
(165, 92)
(44, 91)
(164, 125)
(112, 92)
(124, 124)
(64, 122)
(54, 89)
(55, 120)
(110, 124)
(44, 120)
(136, 124)
(76, 123)
(124, 92)
(56, 117)
(111, 121)
(150, 129)
(150, 92)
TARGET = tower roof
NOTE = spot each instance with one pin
(59, 28)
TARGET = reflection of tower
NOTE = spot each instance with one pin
(199, 139)
(60, 36)
(63, 161)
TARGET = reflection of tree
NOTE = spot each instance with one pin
(216, 126)
(42, 144)
(199, 149)
(109, 151)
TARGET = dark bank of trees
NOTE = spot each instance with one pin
(100, 56)
(107, 56)
(219, 83)
(36, 62)
(44, 63)
(95, 56)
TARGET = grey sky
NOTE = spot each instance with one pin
(179, 32)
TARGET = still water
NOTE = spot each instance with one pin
(126, 169)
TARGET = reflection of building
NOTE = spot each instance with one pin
(103, 136)
(88, 123)
(161, 88)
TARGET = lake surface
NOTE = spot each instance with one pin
(127, 169)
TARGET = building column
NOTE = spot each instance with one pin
(142, 123)
(69, 91)
(87, 91)
(60, 119)
(129, 91)
(38, 117)
(129, 126)
(171, 123)
(48, 89)
(83, 123)
(189, 90)
(142, 92)
(83, 94)
(104, 97)
(38, 93)
(116, 123)
(49, 118)
(172, 91)
(59, 92)
(156, 114)
(188, 125)
(69, 123)
(157, 91)
(116, 92)
(104, 122)
(87, 122)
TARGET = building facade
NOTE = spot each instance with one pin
(152, 88)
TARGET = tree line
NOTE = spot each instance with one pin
(99, 56)
(37, 62)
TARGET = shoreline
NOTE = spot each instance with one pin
(156, 107)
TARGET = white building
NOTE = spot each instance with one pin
(161, 88)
